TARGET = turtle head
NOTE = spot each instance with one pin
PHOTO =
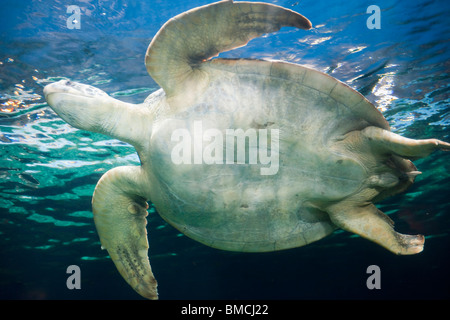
(72, 92)
(81, 105)
(88, 108)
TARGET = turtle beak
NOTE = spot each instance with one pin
(62, 86)
(73, 88)
(47, 91)
(55, 87)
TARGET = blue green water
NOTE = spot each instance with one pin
(48, 170)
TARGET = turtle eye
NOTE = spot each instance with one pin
(68, 83)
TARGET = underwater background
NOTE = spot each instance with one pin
(48, 170)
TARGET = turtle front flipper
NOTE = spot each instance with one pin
(176, 52)
(119, 210)
(370, 223)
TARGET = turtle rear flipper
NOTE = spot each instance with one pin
(370, 223)
(390, 142)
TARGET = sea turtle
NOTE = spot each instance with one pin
(239, 154)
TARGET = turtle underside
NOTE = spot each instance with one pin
(230, 203)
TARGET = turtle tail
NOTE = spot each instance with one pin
(404, 170)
